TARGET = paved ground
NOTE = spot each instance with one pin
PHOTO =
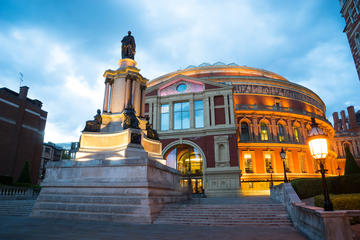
(24, 228)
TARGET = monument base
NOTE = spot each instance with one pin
(127, 190)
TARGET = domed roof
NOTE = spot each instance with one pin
(219, 69)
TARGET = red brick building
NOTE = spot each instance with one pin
(350, 10)
(22, 124)
(347, 133)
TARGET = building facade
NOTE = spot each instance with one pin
(223, 126)
(350, 10)
(22, 124)
(50, 152)
(347, 134)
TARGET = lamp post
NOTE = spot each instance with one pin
(339, 170)
(318, 145)
(283, 157)
(271, 179)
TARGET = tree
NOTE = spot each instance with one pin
(351, 166)
(25, 176)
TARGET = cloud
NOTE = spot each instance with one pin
(66, 80)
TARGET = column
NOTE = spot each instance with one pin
(171, 115)
(133, 88)
(206, 112)
(142, 102)
(232, 113)
(212, 108)
(106, 97)
(151, 113)
(255, 128)
(117, 100)
(273, 130)
(154, 117)
(192, 112)
(290, 131)
(137, 98)
(226, 109)
(127, 92)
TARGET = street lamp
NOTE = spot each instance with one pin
(339, 170)
(319, 149)
(271, 172)
(283, 157)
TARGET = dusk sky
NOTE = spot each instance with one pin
(63, 47)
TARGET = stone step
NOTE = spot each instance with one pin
(275, 224)
(16, 207)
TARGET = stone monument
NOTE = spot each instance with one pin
(119, 173)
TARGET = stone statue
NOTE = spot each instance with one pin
(128, 46)
(94, 125)
(151, 133)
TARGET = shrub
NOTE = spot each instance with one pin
(25, 174)
(351, 166)
(310, 187)
(341, 201)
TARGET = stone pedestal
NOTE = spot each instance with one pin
(223, 182)
(128, 190)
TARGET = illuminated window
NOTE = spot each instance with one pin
(245, 136)
(267, 160)
(164, 117)
(296, 134)
(181, 115)
(199, 114)
(264, 132)
(281, 133)
(248, 163)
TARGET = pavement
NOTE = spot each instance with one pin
(26, 228)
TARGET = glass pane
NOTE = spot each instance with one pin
(185, 120)
(164, 121)
(198, 105)
(199, 118)
(177, 107)
(185, 106)
(171, 158)
(177, 120)
(164, 108)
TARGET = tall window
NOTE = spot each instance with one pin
(281, 133)
(267, 158)
(164, 117)
(297, 134)
(248, 163)
(264, 132)
(245, 136)
(181, 115)
(199, 114)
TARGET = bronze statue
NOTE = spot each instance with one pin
(151, 133)
(128, 46)
(94, 125)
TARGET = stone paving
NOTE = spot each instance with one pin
(24, 228)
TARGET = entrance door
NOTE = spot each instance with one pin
(188, 161)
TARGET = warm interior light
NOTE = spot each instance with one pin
(318, 148)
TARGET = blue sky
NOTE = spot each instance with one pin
(64, 47)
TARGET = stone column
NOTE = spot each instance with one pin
(137, 98)
(151, 118)
(256, 128)
(212, 108)
(273, 130)
(206, 112)
(142, 102)
(192, 112)
(232, 113)
(226, 109)
(106, 97)
(154, 117)
(127, 92)
(117, 99)
(171, 115)
(290, 131)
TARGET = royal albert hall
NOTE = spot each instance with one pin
(223, 127)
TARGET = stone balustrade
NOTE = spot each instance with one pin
(17, 193)
(314, 222)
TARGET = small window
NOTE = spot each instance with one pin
(245, 136)
(164, 117)
(264, 132)
(248, 163)
(268, 163)
(281, 133)
(181, 87)
(199, 114)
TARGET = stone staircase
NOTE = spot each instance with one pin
(16, 207)
(225, 212)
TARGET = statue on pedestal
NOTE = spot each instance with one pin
(128, 47)
(94, 125)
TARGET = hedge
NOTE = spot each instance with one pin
(310, 187)
(341, 201)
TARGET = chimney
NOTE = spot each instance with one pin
(352, 117)
(343, 120)
(336, 122)
(23, 92)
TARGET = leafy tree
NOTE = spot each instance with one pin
(351, 166)
(25, 176)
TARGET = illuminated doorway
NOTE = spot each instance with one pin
(189, 162)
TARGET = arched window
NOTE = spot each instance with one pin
(264, 132)
(282, 133)
(245, 135)
(297, 135)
